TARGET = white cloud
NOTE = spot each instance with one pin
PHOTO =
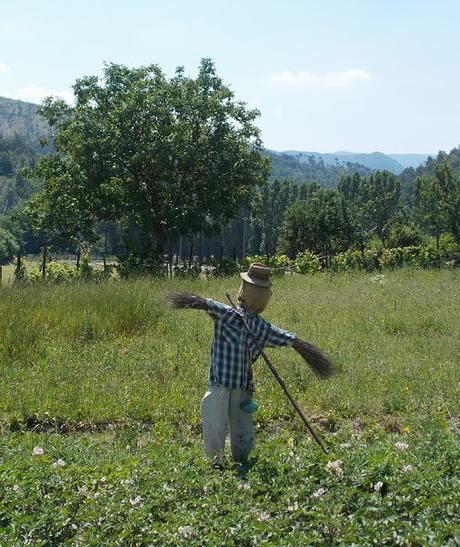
(35, 94)
(4, 68)
(345, 78)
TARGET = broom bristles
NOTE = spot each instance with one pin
(319, 362)
(185, 300)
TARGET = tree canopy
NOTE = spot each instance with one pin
(166, 157)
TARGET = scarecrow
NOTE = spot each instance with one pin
(240, 334)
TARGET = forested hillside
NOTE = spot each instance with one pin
(311, 169)
(452, 159)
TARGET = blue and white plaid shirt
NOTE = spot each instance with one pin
(233, 349)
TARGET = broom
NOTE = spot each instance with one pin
(186, 300)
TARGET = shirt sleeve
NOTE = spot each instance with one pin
(217, 310)
(278, 337)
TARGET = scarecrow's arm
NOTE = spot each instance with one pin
(320, 363)
(185, 300)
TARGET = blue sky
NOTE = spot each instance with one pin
(357, 75)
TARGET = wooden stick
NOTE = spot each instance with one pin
(278, 377)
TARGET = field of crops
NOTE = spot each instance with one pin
(100, 386)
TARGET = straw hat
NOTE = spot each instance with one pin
(257, 274)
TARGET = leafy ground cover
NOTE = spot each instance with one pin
(131, 488)
(99, 408)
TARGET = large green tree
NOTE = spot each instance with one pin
(436, 202)
(316, 224)
(166, 157)
(379, 198)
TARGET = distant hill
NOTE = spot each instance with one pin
(410, 160)
(311, 169)
(395, 163)
(452, 159)
(407, 177)
(20, 119)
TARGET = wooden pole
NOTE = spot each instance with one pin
(17, 272)
(104, 257)
(278, 377)
(44, 257)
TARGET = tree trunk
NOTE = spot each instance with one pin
(200, 243)
(78, 258)
(190, 256)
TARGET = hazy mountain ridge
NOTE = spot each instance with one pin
(394, 163)
(311, 169)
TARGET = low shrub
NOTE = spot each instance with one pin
(278, 263)
(186, 270)
(225, 267)
(307, 262)
(367, 260)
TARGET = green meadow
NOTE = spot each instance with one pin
(106, 380)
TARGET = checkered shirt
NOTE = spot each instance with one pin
(233, 350)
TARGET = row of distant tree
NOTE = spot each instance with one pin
(146, 166)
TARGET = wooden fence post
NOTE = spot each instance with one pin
(44, 257)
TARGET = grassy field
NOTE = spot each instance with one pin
(107, 381)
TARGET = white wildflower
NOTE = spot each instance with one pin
(244, 486)
(406, 468)
(294, 507)
(379, 278)
(83, 490)
(318, 493)
(401, 446)
(334, 467)
(186, 531)
(345, 445)
(38, 451)
(135, 501)
(378, 486)
(74, 526)
(263, 516)
(15, 488)
(59, 463)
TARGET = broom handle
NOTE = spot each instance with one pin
(278, 377)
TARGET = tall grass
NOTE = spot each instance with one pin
(115, 351)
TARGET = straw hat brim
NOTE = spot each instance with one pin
(255, 280)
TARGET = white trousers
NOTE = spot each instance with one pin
(220, 409)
